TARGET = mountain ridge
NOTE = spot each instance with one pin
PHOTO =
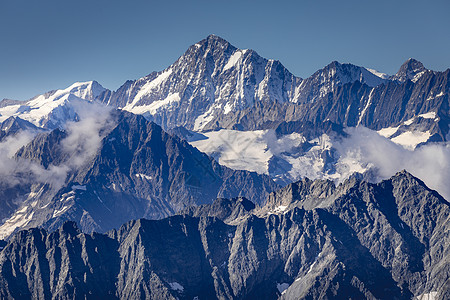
(222, 94)
(138, 170)
(286, 253)
(215, 85)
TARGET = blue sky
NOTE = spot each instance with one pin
(49, 44)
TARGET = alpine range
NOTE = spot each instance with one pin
(225, 176)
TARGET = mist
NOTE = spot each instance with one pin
(81, 144)
(365, 148)
(85, 136)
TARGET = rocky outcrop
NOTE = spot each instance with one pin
(312, 240)
(227, 210)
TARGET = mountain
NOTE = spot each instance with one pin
(410, 70)
(13, 125)
(213, 80)
(311, 240)
(227, 210)
(215, 85)
(248, 113)
(388, 105)
(53, 109)
(212, 77)
(223, 100)
(137, 171)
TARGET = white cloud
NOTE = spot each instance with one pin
(364, 148)
(82, 142)
(85, 136)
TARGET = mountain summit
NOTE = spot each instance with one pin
(211, 78)
(215, 85)
(54, 108)
(410, 70)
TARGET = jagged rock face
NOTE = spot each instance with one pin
(138, 171)
(387, 105)
(211, 78)
(355, 240)
(14, 125)
(326, 80)
(227, 210)
(64, 264)
(45, 149)
(410, 70)
(215, 85)
(388, 220)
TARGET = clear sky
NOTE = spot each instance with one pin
(49, 44)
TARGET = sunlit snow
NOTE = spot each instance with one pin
(410, 139)
(18, 220)
(143, 176)
(427, 296)
(233, 60)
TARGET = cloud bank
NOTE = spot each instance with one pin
(365, 148)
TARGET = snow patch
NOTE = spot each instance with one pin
(378, 74)
(18, 220)
(410, 139)
(428, 115)
(143, 176)
(58, 212)
(427, 296)
(369, 101)
(387, 132)
(280, 209)
(227, 108)
(232, 61)
(46, 205)
(23, 210)
(153, 107)
(417, 76)
(204, 119)
(409, 122)
(148, 87)
(176, 286)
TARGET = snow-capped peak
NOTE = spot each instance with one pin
(53, 108)
(88, 90)
(210, 79)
